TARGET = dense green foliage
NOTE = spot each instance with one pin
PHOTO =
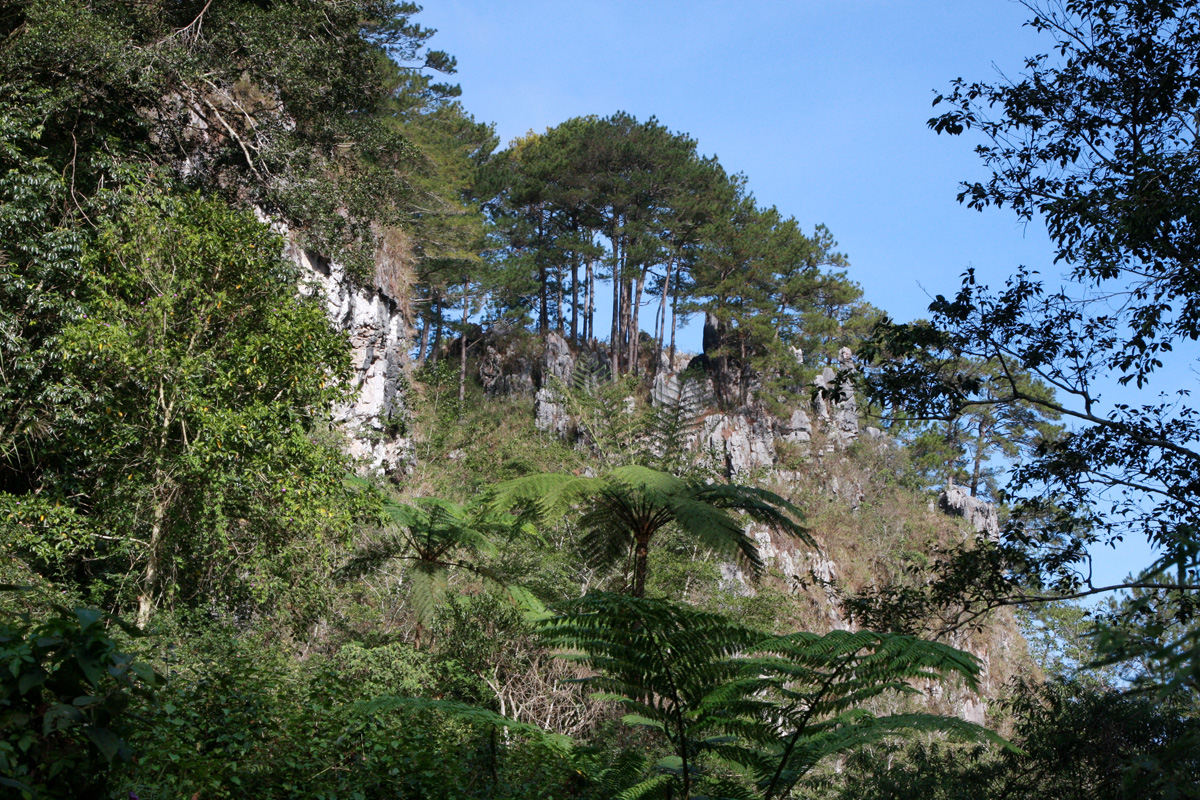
(743, 713)
(168, 452)
(66, 693)
(1099, 142)
(624, 510)
(1076, 743)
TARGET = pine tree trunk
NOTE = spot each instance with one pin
(615, 341)
(635, 308)
(437, 333)
(674, 303)
(743, 377)
(575, 301)
(462, 366)
(978, 471)
(423, 340)
(559, 309)
(589, 309)
(662, 313)
(543, 279)
(544, 300)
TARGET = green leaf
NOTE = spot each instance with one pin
(107, 742)
(638, 719)
(31, 678)
(88, 617)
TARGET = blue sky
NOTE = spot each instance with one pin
(822, 104)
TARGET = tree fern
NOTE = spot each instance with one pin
(436, 538)
(669, 425)
(724, 696)
(621, 430)
(622, 511)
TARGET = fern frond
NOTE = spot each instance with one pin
(426, 587)
(773, 706)
(548, 495)
(655, 787)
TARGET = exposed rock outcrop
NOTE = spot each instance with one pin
(796, 429)
(377, 415)
(738, 442)
(835, 403)
(555, 368)
(557, 363)
(957, 501)
(691, 389)
(506, 370)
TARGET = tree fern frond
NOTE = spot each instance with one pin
(774, 706)
(437, 536)
(426, 588)
(625, 509)
(549, 495)
(372, 556)
(655, 787)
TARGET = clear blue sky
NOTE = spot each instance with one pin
(822, 104)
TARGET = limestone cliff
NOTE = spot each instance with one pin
(376, 417)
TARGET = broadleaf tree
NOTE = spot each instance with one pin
(1098, 140)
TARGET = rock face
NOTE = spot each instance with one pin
(957, 501)
(835, 403)
(805, 568)
(796, 429)
(556, 366)
(375, 417)
(738, 442)
(557, 363)
(691, 390)
(506, 370)
(735, 441)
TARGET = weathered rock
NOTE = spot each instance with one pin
(512, 366)
(738, 442)
(733, 580)
(981, 514)
(491, 369)
(693, 391)
(556, 368)
(796, 429)
(550, 413)
(824, 384)
(834, 401)
(506, 369)
(558, 363)
(806, 569)
(379, 339)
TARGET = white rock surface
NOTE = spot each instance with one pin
(378, 337)
(981, 514)
(796, 429)
(550, 413)
(738, 442)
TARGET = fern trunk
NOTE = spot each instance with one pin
(641, 553)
